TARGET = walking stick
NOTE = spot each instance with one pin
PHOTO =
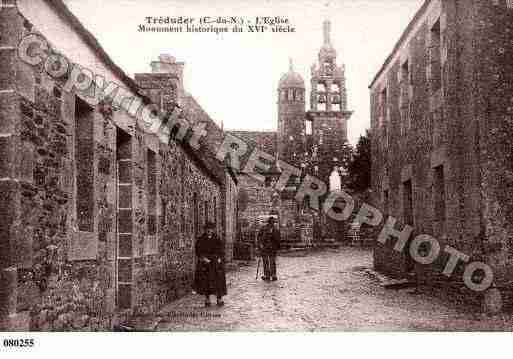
(259, 258)
(258, 267)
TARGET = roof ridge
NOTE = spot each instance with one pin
(402, 38)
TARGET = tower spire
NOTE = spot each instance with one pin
(291, 65)
(326, 30)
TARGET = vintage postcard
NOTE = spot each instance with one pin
(255, 166)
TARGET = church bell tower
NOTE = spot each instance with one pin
(291, 117)
(328, 115)
(328, 79)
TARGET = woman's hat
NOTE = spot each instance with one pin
(210, 225)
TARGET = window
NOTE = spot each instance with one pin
(435, 58)
(195, 214)
(308, 129)
(404, 99)
(328, 68)
(298, 95)
(386, 204)
(291, 95)
(405, 72)
(382, 116)
(84, 159)
(335, 180)
(206, 212)
(163, 212)
(439, 196)
(383, 105)
(408, 202)
(321, 87)
(215, 211)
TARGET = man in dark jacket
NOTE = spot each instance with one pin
(210, 278)
(268, 245)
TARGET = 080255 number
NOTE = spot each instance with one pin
(19, 343)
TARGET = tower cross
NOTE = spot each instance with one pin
(326, 31)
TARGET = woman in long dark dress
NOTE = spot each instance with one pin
(210, 278)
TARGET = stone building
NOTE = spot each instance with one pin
(442, 124)
(314, 141)
(98, 215)
(164, 86)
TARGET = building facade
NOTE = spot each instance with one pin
(99, 217)
(441, 120)
(314, 141)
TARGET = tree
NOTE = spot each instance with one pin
(360, 166)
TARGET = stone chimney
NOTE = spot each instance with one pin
(166, 64)
(164, 85)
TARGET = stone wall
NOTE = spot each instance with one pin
(255, 200)
(495, 104)
(258, 200)
(164, 85)
(99, 219)
(184, 193)
(454, 119)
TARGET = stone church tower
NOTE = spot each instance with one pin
(326, 122)
(291, 118)
(313, 141)
(328, 79)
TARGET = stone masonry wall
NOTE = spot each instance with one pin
(463, 127)
(55, 274)
(494, 33)
(410, 153)
(255, 200)
(183, 187)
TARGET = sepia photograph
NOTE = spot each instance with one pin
(262, 166)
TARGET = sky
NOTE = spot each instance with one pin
(234, 76)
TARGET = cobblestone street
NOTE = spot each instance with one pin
(326, 290)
